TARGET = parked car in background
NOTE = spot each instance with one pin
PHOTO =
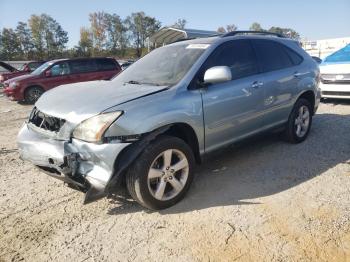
(317, 59)
(5, 68)
(59, 72)
(126, 64)
(335, 75)
(25, 69)
(170, 109)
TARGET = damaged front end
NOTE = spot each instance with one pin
(46, 142)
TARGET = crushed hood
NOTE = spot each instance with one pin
(79, 101)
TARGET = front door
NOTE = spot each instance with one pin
(232, 109)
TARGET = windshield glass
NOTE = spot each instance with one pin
(41, 69)
(163, 66)
(342, 55)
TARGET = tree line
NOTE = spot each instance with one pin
(291, 33)
(108, 34)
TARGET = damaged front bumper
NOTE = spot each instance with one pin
(85, 166)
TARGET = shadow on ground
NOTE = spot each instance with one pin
(259, 167)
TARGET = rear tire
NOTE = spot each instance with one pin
(299, 122)
(162, 174)
(32, 94)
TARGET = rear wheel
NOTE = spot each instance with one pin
(162, 174)
(299, 122)
(32, 94)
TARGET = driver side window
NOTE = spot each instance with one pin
(238, 55)
(60, 69)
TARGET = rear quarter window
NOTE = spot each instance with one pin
(296, 58)
(106, 65)
(82, 66)
(272, 55)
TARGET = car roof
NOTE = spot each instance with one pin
(222, 38)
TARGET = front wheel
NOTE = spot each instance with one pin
(162, 174)
(299, 122)
(32, 94)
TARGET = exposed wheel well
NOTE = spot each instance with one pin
(310, 96)
(186, 133)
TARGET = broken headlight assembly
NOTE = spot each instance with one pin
(92, 129)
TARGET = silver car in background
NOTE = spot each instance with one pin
(150, 125)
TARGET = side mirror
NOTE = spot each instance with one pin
(217, 74)
(27, 69)
(48, 73)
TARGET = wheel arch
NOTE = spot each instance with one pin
(129, 154)
(309, 95)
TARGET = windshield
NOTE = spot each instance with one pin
(163, 66)
(41, 68)
(342, 55)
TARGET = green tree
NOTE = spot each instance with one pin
(98, 30)
(116, 33)
(231, 28)
(180, 23)
(85, 45)
(49, 38)
(37, 28)
(286, 32)
(256, 27)
(141, 27)
(10, 44)
(221, 30)
(25, 39)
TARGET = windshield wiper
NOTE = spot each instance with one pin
(133, 82)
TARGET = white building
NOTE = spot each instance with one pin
(323, 48)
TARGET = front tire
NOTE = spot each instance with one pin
(162, 174)
(32, 94)
(299, 122)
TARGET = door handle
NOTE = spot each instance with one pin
(257, 84)
(297, 74)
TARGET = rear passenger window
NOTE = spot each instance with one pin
(82, 66)
(272, 55)
(238, 55)
(296, 59)
(106, 64)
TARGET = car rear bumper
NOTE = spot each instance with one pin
(335, 91)
(84, 166)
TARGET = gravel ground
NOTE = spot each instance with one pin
(262, 200)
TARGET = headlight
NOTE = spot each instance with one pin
(13, 85)
(92, 129)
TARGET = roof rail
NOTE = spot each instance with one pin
(233, 33)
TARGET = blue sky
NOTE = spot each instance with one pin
(313, 19)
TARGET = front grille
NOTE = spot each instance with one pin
(331, 93)
(45, 122)
(335, 78)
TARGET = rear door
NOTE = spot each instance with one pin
(232, 109)
(278, 65)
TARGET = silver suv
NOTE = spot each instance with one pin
(150, 125)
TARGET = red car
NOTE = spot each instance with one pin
(13, 72)
(59, 72)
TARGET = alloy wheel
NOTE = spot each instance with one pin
(302, 121)
(168, 174)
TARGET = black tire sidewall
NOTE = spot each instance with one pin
(291, 132)
(137, 176)
(27, 93)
